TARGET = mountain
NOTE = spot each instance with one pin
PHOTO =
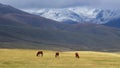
(77, 14)
(7, 9)
(113, 23)
(19, 29)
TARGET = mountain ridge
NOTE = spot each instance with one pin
(77, 14)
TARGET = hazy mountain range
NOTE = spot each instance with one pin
(78, 14)
(20, 29)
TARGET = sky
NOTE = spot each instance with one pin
(28, 4)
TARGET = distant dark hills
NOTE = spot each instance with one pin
(19, 29)
(7, 9)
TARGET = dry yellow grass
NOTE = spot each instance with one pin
(18, 58)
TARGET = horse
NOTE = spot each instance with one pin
(77, 55)
(56, 54)
(39, 53)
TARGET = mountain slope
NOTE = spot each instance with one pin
(113, 23)
(30, 31)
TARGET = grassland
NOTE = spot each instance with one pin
(18, 58)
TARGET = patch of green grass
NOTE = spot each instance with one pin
(18, 58)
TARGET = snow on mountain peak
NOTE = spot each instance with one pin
(77, 14)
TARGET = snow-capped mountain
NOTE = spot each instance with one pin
(77, 14)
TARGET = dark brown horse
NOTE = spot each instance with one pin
(39, 53)
(77, 55)
(56, 54)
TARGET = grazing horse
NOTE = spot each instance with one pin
(39, 53)
(56, 54)
(77, 55)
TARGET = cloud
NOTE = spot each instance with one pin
(62, 3)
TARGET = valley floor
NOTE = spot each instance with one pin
(18, 58)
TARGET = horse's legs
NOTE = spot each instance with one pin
(78, 57)
(41, 55)
(37, 54)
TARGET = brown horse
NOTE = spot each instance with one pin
(56, 54)
(77, 55)
(39, 53)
